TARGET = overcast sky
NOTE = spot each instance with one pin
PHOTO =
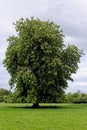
(71, 15)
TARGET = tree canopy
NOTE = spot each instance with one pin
(39, 62)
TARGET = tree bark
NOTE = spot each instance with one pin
(36, 105)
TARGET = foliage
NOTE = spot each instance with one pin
(4, 94)
(38, 61)
(76, 97)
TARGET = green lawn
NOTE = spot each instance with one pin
(62, 117)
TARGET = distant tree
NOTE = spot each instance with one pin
(4, 93)
(77, 97)
(38, 61)
(80, 98)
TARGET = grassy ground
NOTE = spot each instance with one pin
(62, 117)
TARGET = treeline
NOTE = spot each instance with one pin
(4, 94)
(8, 97)
(77, 97)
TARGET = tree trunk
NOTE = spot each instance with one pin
(35, 105)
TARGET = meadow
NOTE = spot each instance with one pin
(61, 117)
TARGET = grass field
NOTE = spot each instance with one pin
(62, 117)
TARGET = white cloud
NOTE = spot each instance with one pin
(80, 80)
(4, 78)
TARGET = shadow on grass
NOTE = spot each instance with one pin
(31, 107)
(62, 106)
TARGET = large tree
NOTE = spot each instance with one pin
(39, 63)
